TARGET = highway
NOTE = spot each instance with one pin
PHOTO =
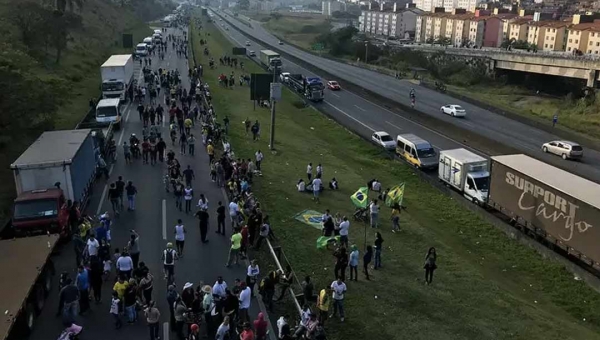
(371, 116)
(154, 220)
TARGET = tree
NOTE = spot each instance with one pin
(430, 40)
(28, 17)
(444, 41)
(276, 15)
(62, 23)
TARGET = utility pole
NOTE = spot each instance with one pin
(272, 135)
(366, 51)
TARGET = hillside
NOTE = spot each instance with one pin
(49, 65)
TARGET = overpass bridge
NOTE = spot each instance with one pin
(584, 67)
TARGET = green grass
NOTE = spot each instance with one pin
(300, 30)
(79, 71)
(487, 286)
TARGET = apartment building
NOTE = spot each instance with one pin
(477, 31)
(548, 35)
(448, 5)
(328, 7)
(392, 23)
(518, 29)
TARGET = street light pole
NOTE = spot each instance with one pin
(366, 51)
(272, 135)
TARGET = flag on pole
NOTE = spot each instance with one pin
(360, 197)
(395, 195)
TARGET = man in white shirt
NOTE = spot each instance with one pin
(245, 297)
(92, 246)
(125, 265)
(309, 171)
(281, 323)
(374, 210)
(319, 170)
(304, 319)
(259, 157)
(339, 289)
(376, 186)
(344, 229)
(316, 183)
(301, 186)
(233, 213)
(226, 147)
(219, 288)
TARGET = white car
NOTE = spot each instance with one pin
(284, 77)
(252, 54)
(280, 42)
(384, 140)
(564, 149)
(454, 110)
(247, 43)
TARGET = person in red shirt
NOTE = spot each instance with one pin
(247, 334)
(260, 327)
(145, 150)
(245, 233)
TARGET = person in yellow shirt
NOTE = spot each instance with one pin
(187, 123)
(120, 287)
(236, 244)
(323, 305)
(210, 150)
(395, 218)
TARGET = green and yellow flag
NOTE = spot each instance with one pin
(395, 195)
(361, 197)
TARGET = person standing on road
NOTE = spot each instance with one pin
(161, 146)
(113, 197)
(179, 312)
(260, 327)
(172, 296)
(252, 275)
(125, 265)
(180, 237)
(188, 174)
(234, 250)
(131, 191)
(188, 196)
(223, 329)
(147, 285)
(191, 144)
(210, 150)
(95, 275)
(120, 185)
(339, 289)
(129, 301)
(233, 213)
(134, 248)
(178, 191)
(114, 309)
(220, 219)
(245, 298)
(83, 284)
(153, 317)
(68, 301)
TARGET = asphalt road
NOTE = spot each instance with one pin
(371, 116)
(154, 220)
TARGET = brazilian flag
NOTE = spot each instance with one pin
(395, 195)
(360, 197)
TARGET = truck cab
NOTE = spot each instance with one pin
(39, 212)
(477, 186)
(314, 89)
(466, 172)
(141, 50)
(109, 111)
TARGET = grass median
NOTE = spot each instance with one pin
(486, 287)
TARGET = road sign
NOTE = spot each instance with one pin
(317, 47)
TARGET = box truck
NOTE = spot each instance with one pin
(117, 76)
(27, 261)
(466, 172)
(561, 207)
(58, 166)
(271, 60)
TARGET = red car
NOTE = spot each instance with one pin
(333, 85)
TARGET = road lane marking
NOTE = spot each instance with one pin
(396, 126)
(335, 95)
(349, 116)
(166, 332)
(164, 219)
(360, 108)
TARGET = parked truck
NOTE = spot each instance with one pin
(271, 60)
(466, 172)
(310, 87)
(117, 76)
(58, 166)
(28, 269)
(549, 202)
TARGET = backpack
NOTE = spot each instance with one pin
(169, 256)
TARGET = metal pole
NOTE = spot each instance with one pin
(272, 136)
(366, 52)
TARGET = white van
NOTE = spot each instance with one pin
(157, 38)
(148, 42)
(141, 50)
(109, 111)
(416, 151)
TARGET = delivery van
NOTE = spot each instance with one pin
(149, 42)
(416, 151)
(141, 50)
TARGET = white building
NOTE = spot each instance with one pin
(448, 5)
(328, 7)
(395, 23)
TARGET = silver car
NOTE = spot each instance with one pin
(564, 149)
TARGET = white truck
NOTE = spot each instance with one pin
(109, 111)
(466, 172)
(117, 76)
